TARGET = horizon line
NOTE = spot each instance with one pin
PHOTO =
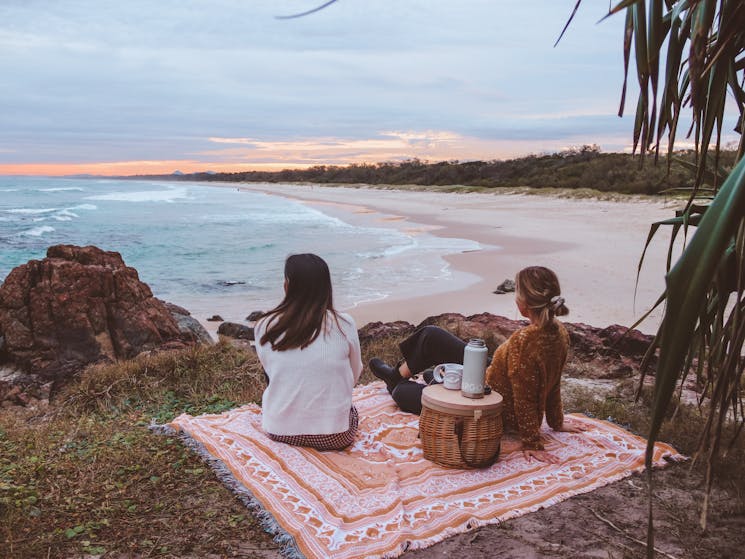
(128, 169)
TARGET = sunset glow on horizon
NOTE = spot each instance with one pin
(131, 168)
(248, 154)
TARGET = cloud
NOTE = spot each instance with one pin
(169, 81)
(386, 146)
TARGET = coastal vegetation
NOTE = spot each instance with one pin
(703, 328)
(85, 476)
(584, 167)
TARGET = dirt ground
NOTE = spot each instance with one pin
(608, 523)
(604, 524)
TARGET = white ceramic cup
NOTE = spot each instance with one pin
(449, 374)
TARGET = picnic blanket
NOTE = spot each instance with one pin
(380, 497)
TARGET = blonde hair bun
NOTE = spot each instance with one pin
(538, 287)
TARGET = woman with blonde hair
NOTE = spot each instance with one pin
(526, 369)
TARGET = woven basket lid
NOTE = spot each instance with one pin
(437, 397)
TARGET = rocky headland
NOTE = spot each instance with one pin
(77, 306)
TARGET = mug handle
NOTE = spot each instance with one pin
(437, 373)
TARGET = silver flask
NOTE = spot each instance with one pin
(474, 368)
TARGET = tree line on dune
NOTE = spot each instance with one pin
(575, 168)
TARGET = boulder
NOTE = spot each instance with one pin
(215, 318)
(188, 325)
(379, 330)
(79, 305)
(493, 329)
(235, 330)
(254, 316)
(507, 286)
(17, 387)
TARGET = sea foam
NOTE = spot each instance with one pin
(36, 231)
(169, 195)
(31, 211)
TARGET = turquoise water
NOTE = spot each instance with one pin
(213, 250)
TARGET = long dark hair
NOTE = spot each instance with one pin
(298, 320)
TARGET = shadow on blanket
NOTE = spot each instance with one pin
(380, 497)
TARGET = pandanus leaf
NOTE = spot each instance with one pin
(656, 28)
(628, 34)
(701, 326)
(620, 6)
(713, 109)
(566, 26)
(687, 284)
(641, 54)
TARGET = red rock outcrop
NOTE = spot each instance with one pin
(378, 330)
(602, 353)
(77, 306)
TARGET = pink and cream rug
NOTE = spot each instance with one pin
(380, 497)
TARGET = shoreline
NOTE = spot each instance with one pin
(593, 245)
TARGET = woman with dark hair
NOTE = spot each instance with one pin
(526, 369)
(311, 356)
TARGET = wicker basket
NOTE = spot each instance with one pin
(458, 432)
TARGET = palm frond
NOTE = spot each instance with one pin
(703, 326)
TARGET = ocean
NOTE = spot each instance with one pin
(216, 250)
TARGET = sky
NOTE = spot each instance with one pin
(125, 87)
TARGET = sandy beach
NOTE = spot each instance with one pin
(593, 245)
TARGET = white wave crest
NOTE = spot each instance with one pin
(62, 189)
(82, 207)
(65, 215)
(36, 231)
(387, 252)
(143, 196)
(31, 211)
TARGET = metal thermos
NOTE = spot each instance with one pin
(474, 369)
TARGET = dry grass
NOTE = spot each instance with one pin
(197, 377)
(682, 429)
(88, 477)
(544, 191)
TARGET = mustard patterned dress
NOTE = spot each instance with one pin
(526, 371)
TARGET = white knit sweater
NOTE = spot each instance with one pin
(310, 389)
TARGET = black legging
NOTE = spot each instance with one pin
(426, 347)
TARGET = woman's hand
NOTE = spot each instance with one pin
(571, 428)
(540, 455)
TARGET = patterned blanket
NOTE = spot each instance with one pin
(380, 497)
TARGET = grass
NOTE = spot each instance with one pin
(89, 477)
(683, 427)
(552, 192)
(86, 476)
